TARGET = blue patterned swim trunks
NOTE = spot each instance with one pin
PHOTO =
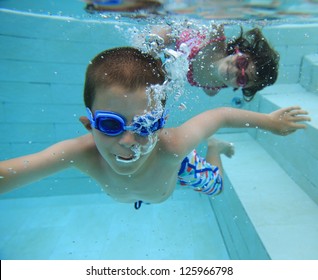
(197, 173)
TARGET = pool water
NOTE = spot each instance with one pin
(271, 185)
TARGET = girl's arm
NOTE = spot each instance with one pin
(217, 31)
(165, 33)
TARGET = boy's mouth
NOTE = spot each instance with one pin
(125, 157)
(129, 159)
(138, 150)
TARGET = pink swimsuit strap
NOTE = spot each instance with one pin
(194, 51)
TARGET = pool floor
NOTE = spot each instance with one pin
(93, 226)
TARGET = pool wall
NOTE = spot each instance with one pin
(43, 63)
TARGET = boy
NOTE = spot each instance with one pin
(128, 150)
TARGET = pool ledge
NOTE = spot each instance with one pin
(276, 177)
(283, 215)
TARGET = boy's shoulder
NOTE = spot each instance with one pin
(74, 150)
(80, 146)
(172, 145)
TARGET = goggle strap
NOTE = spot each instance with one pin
(163, 118)
(90, 117)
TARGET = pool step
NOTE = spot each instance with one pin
(297, 153)
(309, 72)
(283, 215)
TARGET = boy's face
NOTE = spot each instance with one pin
(118, 151)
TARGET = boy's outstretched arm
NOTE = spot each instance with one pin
(30, 168)
(282, 122)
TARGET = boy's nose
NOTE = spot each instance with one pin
(127, 139)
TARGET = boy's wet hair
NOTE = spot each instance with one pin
(265, 59)
(125, 67)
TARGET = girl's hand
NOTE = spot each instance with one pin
(286, 120)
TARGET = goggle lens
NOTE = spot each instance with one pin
(110, 126)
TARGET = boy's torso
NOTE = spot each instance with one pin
(154, 181)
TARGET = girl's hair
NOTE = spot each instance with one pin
(265, 59)
(125, 67)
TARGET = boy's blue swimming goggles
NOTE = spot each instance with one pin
(113, 124)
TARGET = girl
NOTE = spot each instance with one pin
(247, 62)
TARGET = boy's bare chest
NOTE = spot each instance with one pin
(152, 185)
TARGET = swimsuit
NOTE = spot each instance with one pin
(137, 204)
(197, 173)
(196, 41)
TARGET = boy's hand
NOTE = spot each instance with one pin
(287, 120)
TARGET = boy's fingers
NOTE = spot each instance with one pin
(299, 125)
(298, 112)
(302, 119)
(292, 108)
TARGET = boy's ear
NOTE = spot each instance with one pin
(85, 121)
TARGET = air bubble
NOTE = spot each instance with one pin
(182, 107)
(11, 170)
